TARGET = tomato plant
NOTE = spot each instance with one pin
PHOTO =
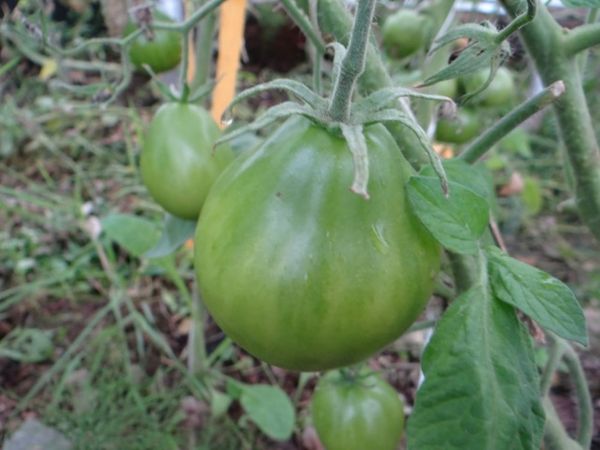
(357, 412)
(162, 52)
(298, 270)
(459, 129)
(405, 32)
(500, 92)
(178, 164)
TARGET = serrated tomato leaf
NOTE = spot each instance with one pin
(481, 388)
(456, 221)
(542, 297)
(472, 177)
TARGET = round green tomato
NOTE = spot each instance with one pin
(464, 127)
(500, 92)
(161, 53)
(357, 413)
(447, 88)
(178, 163)
(300, 271)
(405, 32)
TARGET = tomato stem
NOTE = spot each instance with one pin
(353, 63)
(509, 122)
(204, 42)
(547, 44)
(304, 23)
(519, 21)
(582, 38)
(584, 401)
(191, 21)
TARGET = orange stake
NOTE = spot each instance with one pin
(231, 38)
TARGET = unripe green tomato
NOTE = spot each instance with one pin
(161, 53)
(447, 88)
(405, 32)
(500, 92)
(300, 271)
(459, 130)
(178, 163)
(360, 413)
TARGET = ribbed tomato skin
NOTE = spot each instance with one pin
(300, 271)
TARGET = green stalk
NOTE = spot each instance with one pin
(204, 57)
(551, 50)
(353, 63)
(584, 400)
(191, 21)
(555, 436)
(512, 120)
(582, 58)
(464, 270)
(303, 22)
(519, 21)
(336, 22)
(556, 351)
(582, 38)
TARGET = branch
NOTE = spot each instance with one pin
(519, 22)
(303, 22)
(353, 63)
(584, 401)
(555, 436)
(582, 38)
(190, 22)
(512, 120)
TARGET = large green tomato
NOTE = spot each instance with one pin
(405, 32)
(178, 163)
(298, 270)
(500, 92)
(357, 413)
(464, 127)
(161, 53)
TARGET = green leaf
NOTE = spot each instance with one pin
(458, 221)
(483, 51)
(175, 232)
(542, 297)
(581, 3)
(470, 176)
(133, 233)
(270, 409)
(219, 403)
(481, 388)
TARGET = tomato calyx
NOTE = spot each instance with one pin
(376, 107)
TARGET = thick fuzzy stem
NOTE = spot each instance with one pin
(353, 63)
(335, 21)
(582, 38)
(512, 120)
(546, 43)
